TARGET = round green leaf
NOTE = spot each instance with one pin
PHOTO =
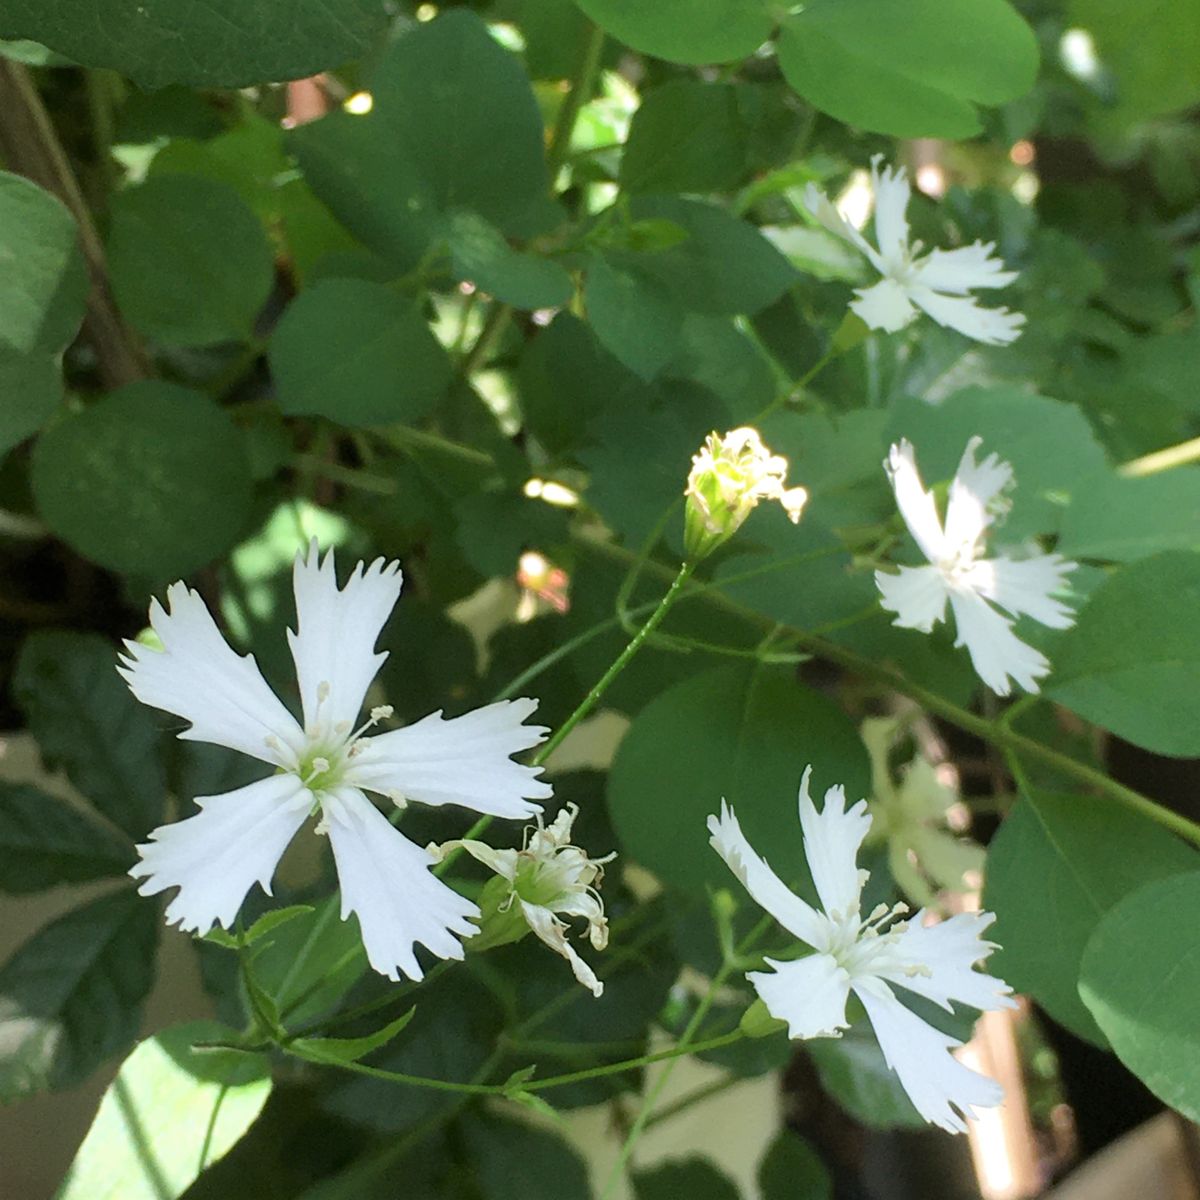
(358, 353)
(911, 68)
(685, 31)
(633, 315)
(190, 263)
(741, 733)
(792, 1170)
(31, 390)
(480, 254)
(152, 479)
(1140, 978)
(1131, 661)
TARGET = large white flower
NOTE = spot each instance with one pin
(939, 282)
(867, 956)
(958, 571)
(323, 767)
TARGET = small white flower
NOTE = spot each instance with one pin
(958, 570)
(238, 838)
(938, 282)
(866, 956)
(549, 876)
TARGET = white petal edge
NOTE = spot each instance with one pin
(765, 887)
(976, 496)
(825, 211)
(885, 305)
(996, 652)
(810, 994)
(916, 505)
(216, 857)
(1025, 586)
(198, 676)
(958, 271)
(892, 194)
(335, 635)
(832, 838)
(917, 595)
(464, 760)
(936, 1082)
(993, 326)
(553, 933)
(386, 882)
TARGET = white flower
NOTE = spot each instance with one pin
(237, 838)
(546, 877)
(938, 282)
(973, 584)
(867, 956)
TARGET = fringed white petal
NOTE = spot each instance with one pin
(333, 645)
(939, 1086)
(764, 886)
(198, 677)
(825, 211)
(938, 962)
(215, 857)
(885, 305)
(976, 496)
(809, 994)
(892, 194)
(554, 934)
(958, 271)
(464, 760)
(832, 838)
(1026, 586)
(996, 652)
(917, 595)
(386, 882)
(916, 505)
(995, 326)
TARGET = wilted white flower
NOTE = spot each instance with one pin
(729, 476)
(867, 956)
(323, 767)
(939, 282)
(973, 584)
(546, 878)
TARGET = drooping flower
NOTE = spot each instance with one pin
(869, 956)
(939, 282)
(977, 587)
(323, 767)
(912, 816)
(546, 879)
(729, 476)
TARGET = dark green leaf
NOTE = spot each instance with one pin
(86, 721)
(515, 1161)
(686, 31)
(853, 1071)
(152, 478)
(72, 995)
(45, 841)
(31, 389)
(691, 1177)
(633, 314)
(480, 255)
(792, 1170)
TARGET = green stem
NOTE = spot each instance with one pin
(579, 94)
(404, 437)
(1162, 460)
(495, 325)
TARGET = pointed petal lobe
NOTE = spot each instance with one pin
(994, 326)
(386, 882)
(809, 994)
(996, 652)
(958, 271)
(917, 595)
(1026, 586)
(215, 857)
(892, 194)
(198, 677)
(976, 497)
(825, 211)
(914, 502)
(554, 934)
(832, 838)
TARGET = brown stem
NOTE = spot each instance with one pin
(31, 147)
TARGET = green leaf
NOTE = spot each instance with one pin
(45, 841)
(1122, 519)
(910, 68)
(1130, 662)
(744, 734)
(687, 136)
(86, 721)
(1058, 864)
(480, 255)
(515, 1161)
(171, 1111)
(264, 925)
(716, 354)
(336, 1051)
(632, 313)
(221, 43)
(358, 353)
(190, 263)
(31, 389)
(691, 1177)
(686, 31)
(151, 479)
(853, 1071)
(72, 995)
(1140, 978)
(792, 1170)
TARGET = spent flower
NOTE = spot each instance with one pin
(977, 587)
(869, 955)
(939, 282)
(547, 879)
(729, 476)
(322, 768)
